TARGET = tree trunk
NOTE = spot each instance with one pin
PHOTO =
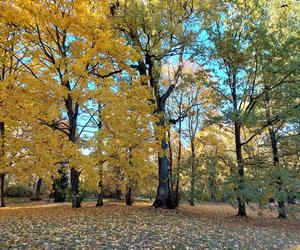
(2, 177)
(240, 164)
(100, 189)
(163, 199)
(178, 166)
(212, 175)
(72, 111)
(37, 197)
(100, 168)
(118, 194)
(193, 174)
(100, 199)
(163, 196)
(238, 148)
(75, 188)
(171, 162)
(129, 197)
(272, 134)
(281, 208)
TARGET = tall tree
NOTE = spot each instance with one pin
(159, 30)
(71, 46)
(238, 58)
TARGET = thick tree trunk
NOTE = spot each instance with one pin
(38, 188)
(171, 162)
(193, 174)
(240, 164)
(129, 197)
(163, 199)
(37, 195)
(100, 202)
(2, 177)
(281, 208)
(75, 188)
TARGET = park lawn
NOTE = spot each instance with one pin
(116, 226)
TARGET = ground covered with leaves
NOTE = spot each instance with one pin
(115, 226)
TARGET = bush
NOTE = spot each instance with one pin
(18, 191)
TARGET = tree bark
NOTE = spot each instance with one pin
(2, 177)
(238, 147)
(193, 174)
(272, 134)
(129, 197)
(281, 206)
(163, 199)
(75, 188)
(37, 197)
(212, 175)
(171, 162)
(240, 163)
(178, 165)
(100, 189)
(72, 111)
(100, 167)
(118, 194)
(100, 202)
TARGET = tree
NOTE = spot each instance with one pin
(239, 56)
(158, 30)
(125, 142)
(70, 46)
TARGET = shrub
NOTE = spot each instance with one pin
(18, 191)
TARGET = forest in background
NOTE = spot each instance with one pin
(175, 100)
